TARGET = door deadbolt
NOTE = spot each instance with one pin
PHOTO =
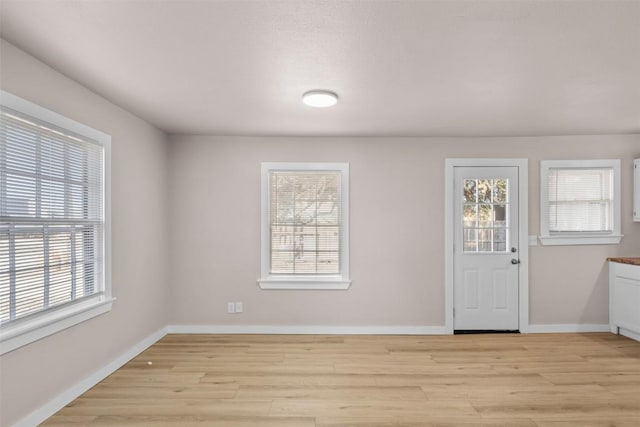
(514, 250)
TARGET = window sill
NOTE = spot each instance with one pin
(610, 239)
(311, 283)
(23, 333)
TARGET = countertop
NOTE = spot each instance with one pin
(625, 260)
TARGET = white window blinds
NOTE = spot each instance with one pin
(305, 222)
(581, 199)
(51, 216)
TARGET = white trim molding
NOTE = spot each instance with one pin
(523, 231)
(568, 328)
(609, 239)
(14, 336)
(629, 334)
(54, 405)
(305, 283)
(307, 330)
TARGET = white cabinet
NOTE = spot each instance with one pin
(636, 190)
(624, 299)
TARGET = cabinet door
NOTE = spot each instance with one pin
(636, 190)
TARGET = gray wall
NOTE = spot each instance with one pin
(397, 230)
(34, 374)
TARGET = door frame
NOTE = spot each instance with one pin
(523, 233)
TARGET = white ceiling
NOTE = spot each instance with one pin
(401, 68)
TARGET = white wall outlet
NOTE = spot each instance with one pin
(239, 307)
(231, 307)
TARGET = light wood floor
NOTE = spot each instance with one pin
(282, 381)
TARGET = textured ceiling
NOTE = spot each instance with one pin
(401, 68)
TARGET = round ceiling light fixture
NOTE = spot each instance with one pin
(320, 98)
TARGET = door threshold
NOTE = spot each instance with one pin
(485, 331)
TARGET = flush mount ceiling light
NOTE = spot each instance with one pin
(320, 98)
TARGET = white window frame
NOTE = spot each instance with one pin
(579, 238)
(22, 332)
(283, 281)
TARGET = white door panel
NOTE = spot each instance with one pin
(485, 248)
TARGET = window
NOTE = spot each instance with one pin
(305, 226)
(53, 222)
(580, 202)
(485, 220)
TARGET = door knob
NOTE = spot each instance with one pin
(515, 261)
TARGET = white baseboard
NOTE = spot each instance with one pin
(567, 328)
(363, 330)
(629, 334)
(67, 396)
(310, 330)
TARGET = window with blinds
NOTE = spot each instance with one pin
(305, 225)
(304, 222)
(580, 201)
(51, 217)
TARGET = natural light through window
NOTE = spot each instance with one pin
(485, 222)
(305, 222)
(52, 219)
(305, 225)
(580, 202)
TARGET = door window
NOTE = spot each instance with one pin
(485, 216)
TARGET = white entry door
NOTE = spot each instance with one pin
(486, 248)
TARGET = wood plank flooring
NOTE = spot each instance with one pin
(544, 380)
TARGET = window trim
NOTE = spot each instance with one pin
(339, 281)
(40, 325)
(581, 238)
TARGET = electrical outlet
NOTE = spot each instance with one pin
(231, 307)
(239, 307)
